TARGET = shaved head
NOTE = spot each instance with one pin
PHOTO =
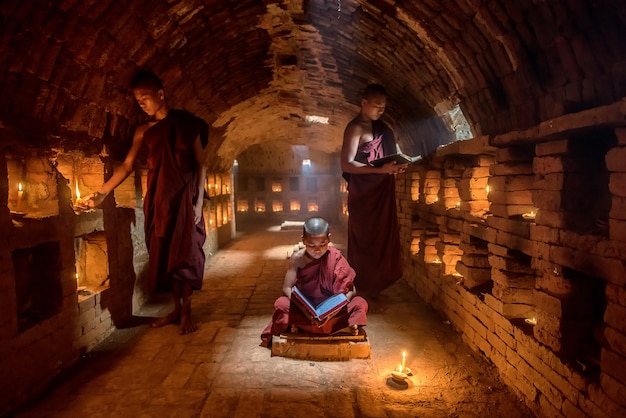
(315, 226)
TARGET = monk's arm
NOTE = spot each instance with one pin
(349, 149)
(201, 165)
(351, 293)
(121, 172)
(292, 274)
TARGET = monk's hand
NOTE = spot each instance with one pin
(197, 213)
(89, 202)
(393, 167)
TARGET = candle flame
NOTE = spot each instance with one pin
(77, 191)
(20, 187)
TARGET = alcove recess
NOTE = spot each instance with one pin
(85, 175)
(570, 308)
(474, 267)
(38, 289)
(572, 188)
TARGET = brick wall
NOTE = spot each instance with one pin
(67, 279)
(538, 286)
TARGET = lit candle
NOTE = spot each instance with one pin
(20, 193)
(78, 201)
(403, 365)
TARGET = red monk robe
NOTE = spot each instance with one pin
(329, 275)
(173, 239)
(373, 232)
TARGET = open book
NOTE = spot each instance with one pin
(327, 308)
(399, 157)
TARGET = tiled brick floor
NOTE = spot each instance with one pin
(220, 370)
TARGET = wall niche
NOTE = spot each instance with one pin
(38, 290)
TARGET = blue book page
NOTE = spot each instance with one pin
(330, 304)
(298, 294)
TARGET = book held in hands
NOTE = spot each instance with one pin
(325, 309)
(399, 157)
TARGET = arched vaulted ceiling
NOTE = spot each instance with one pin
(255, 69)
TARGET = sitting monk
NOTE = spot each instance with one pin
(319, 272)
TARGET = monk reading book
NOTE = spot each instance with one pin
(317, 272)
(374, 248)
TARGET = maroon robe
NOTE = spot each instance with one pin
(373, 232)
(318, 280)
(173, 239)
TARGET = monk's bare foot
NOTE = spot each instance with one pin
(171, 318)
(187, 326)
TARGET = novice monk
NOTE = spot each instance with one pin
(174, 226)
(374, 249)
(319, 272)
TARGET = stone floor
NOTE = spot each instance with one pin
(221, 371)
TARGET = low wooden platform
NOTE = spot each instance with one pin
(321, 347)
(291, 225)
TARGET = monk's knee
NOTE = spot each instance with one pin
(282, 304)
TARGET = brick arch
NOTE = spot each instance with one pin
(254, 69)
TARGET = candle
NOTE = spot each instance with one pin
(77, 194)
(403, 365)
(20, 194)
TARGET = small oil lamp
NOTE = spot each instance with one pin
(402, 372)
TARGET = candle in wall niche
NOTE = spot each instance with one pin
(20, 194)
(78, 201)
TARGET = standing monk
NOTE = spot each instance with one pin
(373, 231)
(174, 225)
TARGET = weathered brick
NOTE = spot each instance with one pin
(615, 159)
(473, 276)
(512, 294)
(570, 410)
(511, 169)
(613, 364)
(617, 184)
(552, 147)
(615, 316)
(510, 264)
(599, 397)
(617, 230)
(614, 389)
